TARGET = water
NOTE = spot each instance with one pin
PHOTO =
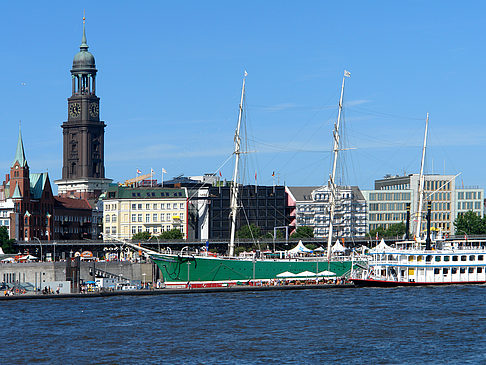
(344, 326)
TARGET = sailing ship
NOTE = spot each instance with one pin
(424, 262)
(204, 270)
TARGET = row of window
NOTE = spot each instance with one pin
(462, 270)
(155, 217)
(469, 195)
(446, 258)
(70, 218)
(469, 205)
(389, 196)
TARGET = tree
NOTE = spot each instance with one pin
(173, 234)
(5, 242)
(303, 232)
(470, 223)
(378, 231)
(141, 236)
(396, 230)
(251, 231)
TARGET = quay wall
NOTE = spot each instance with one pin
(44, 272)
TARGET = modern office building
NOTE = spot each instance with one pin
(387, 204)
(264, 206)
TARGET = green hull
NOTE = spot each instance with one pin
(184, 269)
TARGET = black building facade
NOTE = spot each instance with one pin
(264, 206)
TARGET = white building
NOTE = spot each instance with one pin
(127, 211)
(312, 209)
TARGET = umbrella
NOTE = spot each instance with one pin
(306, 274)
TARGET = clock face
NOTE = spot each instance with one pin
(94, 109)
(74, 110)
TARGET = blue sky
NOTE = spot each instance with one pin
(170, 78)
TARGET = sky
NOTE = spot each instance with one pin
(170, 77)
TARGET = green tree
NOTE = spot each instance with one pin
(173, 234)
(142, 236)
(303, 232)
(251, 231)
(380, 230)
(470, 223)
(396, 230)
(5, 242)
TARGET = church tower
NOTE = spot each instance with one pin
(83, 171)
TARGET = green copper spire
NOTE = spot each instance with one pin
(84, 45)
(19, 154)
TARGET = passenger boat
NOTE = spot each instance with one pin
(446, 263)
(424, 262)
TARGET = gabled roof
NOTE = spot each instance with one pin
(302, 193)
(37, 184)
(71, 203)
(16, 193)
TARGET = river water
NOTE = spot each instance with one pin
(344, 326)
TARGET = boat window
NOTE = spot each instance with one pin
(463, 258)
(472, 258)
(480, 270)
(437, 258)
(463, 270)
(419, 258)
(454, 270)
(480, 257)
(447, 258)
(471, 270)
(410, 258)
(436, 271)
(428, 258)
(445, 271)
(455, 258)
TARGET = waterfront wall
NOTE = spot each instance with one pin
(40, 273)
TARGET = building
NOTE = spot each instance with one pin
(198, 193)
(312, 209)
(387, 204)
(127, 211)
(27, 200)
(264, 206)
(72, 219)
(83, 171)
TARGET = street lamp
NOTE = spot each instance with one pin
(40, 244)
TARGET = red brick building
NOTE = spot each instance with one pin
(31, 194)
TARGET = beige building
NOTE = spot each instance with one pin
(127, 211)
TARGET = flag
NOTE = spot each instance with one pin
(246, 73)
(207, 245)
(377, 235)
(220, 174)
(138, 171)
(347, 73)
(273, 173)
(255, 175)
(152, 171)
(163, 171)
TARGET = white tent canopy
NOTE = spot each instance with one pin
(338, 247)
(319, 249)
(326, 273)
(286, 274)
(306, 274)
(381, 247)
(300, 248)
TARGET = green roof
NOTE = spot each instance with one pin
(16, 193)
(121, 192)
(37, 184)
(19, 154)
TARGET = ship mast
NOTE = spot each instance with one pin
(421, 184)
(234, 186)
(332, 177)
